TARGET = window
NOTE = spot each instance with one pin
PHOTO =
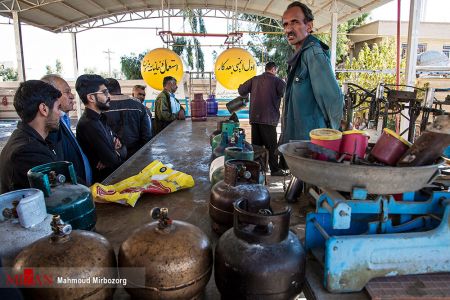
(446, 50)
(421, 48)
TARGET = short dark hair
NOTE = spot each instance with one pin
(113, 86)
(306, 10)
(167, 79)
(139, 87)
(270, 65)
(87, 84)
(30, 95)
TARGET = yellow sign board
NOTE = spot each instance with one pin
(233, 67)
(158, 64)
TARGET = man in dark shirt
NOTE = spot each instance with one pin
(37, 104)
(127, 118)
(66, 145)
(101, 145)
(266, 92)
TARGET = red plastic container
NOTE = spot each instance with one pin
(354, 142)
(390, 147)
(327, 138)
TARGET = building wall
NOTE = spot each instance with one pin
(435, 35)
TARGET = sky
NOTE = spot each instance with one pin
(43, 48)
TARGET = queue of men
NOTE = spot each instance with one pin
(113, 126)
(44, 135)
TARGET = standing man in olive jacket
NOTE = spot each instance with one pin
(37, 104)
(266, 92)
(313, 98)
(167, 107)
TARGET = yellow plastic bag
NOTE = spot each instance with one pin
(156, 178)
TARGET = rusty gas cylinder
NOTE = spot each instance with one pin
(198, 108)
(68, 265)
(259, 258)
(241, 181)
(176, 255)
(430, 145)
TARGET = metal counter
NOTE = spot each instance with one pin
(185, 145)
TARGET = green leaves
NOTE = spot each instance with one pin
(131, 65)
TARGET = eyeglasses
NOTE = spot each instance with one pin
(104, 92)
(141, 94)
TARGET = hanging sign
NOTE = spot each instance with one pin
(233, 67)
(158, 64)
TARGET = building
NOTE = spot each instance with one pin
(433, 36)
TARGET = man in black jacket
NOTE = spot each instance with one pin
(37, 104)
(66, 145)
(128, 118)
(266, 91)
(101, 145)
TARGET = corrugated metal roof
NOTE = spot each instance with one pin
(78, 15)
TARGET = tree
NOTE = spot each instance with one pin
(374, 57)
(273, 46)
(131, 65)
(8, 74)
(343, 42)
(269, 47)
(57, 70)
(190, 47)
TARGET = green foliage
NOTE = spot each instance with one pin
(374, 57)
(8, 74)
(271, 46)
(190, 47)
(131, 65)
(343, 42)
(90, 71)
(57, 70)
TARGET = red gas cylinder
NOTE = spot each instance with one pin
(198, 108)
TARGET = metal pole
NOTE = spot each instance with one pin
(75, 70)
(411, 53)
(413, 39)
(397, 67)
(75, 54)
(19, 46)
(334, 23)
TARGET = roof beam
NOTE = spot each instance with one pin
(351, 4)
(267, 6)
(75, 9)
(98, 6)
(123, 5)
(45, 11)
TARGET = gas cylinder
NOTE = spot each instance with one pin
(176, 255)
(63, 195)
(259, 258)
(216, 171)
(198, 108)
(237, 104)
(430, 145)
(80, 256)
(227, 126)
(237, 139)
(241, 181)
(212, 106)
(23, 220)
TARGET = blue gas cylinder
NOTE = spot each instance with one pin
(63, 195)
(212, 106)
